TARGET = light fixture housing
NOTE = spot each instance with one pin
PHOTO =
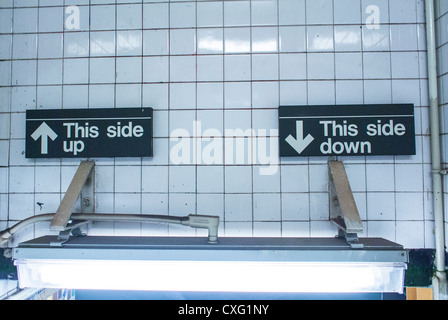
(193, 264)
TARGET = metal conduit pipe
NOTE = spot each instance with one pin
(195, 221)
(439, 280)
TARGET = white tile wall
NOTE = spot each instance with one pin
(228, 64)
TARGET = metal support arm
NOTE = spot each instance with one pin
(82, 185)
(343, 210)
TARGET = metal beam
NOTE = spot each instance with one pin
(343, 210)
(82, 185)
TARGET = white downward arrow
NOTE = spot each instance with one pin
(299, 144)
(44, 132)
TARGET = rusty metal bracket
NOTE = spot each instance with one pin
(343, 210)
(82, 186)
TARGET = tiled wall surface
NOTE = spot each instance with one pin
(227, 65)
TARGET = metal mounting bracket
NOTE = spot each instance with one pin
(82, 186)
(343, 210)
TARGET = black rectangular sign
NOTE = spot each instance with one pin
(349, 130)
(89, 133)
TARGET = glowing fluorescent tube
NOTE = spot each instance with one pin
(233, 265)
(218, 276)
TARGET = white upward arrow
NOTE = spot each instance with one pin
(44, 132)
(299, 143)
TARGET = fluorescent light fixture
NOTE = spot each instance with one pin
(232, 265)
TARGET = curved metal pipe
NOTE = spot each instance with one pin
(195, 221)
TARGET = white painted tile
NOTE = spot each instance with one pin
(182, 179)
(182, 96)
(293, 66)
(102, 70)
(128, 95)
(155, 15)
(50, 45)
(403, 37)
(126, 203)
(348, 65)
(210, 95)
(347, 38)
(211, 204)
(20, 15)
(291, 12)
(349, 92)
(182, 68)
(292, 39)
(238, 207)
(129, 69)
(129, 43)
(182, 15)
(382, 229)
(155, 203)
(294, 179)
(183, 41)
(102, 18)
(21, 179)
(321, 92)
(210, 179)
(264, 12)
(401, 11)
(380, 206)
(102, 43)
(377, 65)
(155, 42)
(264, 39)
(76, 44)
(237, 67)
(238, 179)
(320, 38)
(21, 206)
(127, 179)
(410, 234)
(236, 13)
(347, 11)
(319, 206)
(155, 69)
(51, 19)
(76, 71)
(374, 39)
(295, 229)
(182, 204)
(409, 177)
(319, 12)
(210, 14)
(24, 46)
(155, 179)
(265, 94)
(265, 183)
(237, 95)
(265, 67)
(409, 206)
(210, 68)
(47, 179)
(377, 182)
(320, 66)
(129, 16)
(155, 95)
(23, 72)
(266, 207)
(323, 229)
